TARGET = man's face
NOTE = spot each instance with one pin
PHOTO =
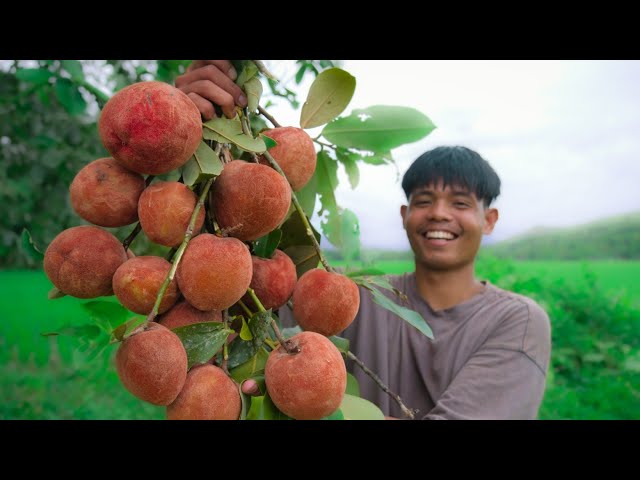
(445, 225)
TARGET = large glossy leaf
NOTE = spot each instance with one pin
(410, 316)
(202, 340)
(304, 258)
(263, 408)
(329, 95)
(343, 230)
(348, 160)
(379, 128)
(356, 408)
(230, 131)
(203, 165)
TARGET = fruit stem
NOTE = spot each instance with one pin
(266, 114)
(246, 129)
(181, 249)
(225, 348)
(301, 214)
(288, 345)
(245, 308)
(264, 70)
(407, 411)
(127, 241)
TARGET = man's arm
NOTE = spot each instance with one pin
(493, 384)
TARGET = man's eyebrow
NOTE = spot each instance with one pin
(465, 193)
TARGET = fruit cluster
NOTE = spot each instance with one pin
(152, 128)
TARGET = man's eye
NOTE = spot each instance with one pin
(461, 204)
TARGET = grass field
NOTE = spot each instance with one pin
(51, 378)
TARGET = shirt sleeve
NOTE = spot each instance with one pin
(494, 384)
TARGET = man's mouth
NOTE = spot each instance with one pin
(439, 237)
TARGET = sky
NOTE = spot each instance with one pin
(564, 137)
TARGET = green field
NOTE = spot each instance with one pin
(53, 378)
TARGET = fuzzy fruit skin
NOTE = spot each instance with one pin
(208, 394)
(250, 199)
(137, 282)
(325, 302)
(310, 384)
(183, 314)
(81, 261)
(150, 127)
(273, 280)
(214, 272)
(106, 194)
(152, 364)
(165, 209)
(295, 154)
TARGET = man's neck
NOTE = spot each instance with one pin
(445, 289)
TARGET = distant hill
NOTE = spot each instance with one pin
(610, 238)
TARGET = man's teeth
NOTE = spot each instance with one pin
(444, 235)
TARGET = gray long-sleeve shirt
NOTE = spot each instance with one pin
(488, 358)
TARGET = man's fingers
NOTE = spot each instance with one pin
(206, 108)
(250, 387)
(224, 66)
(213, 93)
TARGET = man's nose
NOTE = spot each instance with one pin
(439, 211)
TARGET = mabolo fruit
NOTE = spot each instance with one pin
(150, 127)
(294, 153)
(152, 364)
(325, 302)
(106, 194)
(310, 384)
(81, 261)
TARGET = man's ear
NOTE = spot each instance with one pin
(490, 219)
(403, 211)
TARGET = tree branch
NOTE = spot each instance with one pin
(266, 114)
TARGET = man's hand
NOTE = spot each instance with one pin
(209, 82)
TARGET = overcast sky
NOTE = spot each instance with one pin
(564, 137)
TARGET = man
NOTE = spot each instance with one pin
(491, 348)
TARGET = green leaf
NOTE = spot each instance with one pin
(74, 68)
(327, 182)
(268, 141)
(304, 258)
(265, 246)
(307, 196)
(28, 247)
(245, 402)
(353, 387)
(250, 368)
(379, 128)
(378, 158)
(356, 408)
(337, 415)
(329, 95)
(245, 331)
(240, 350)
(203, 165)
(121, 331)
(253, 89)
(33, 75)
(410, 316)
(342, 344)
(348, 160)
(69, 96)
(300, 73)
(291, 331)
(343, 230)
(246, 70)
(202, 340)
(230, 131)
(294, 232)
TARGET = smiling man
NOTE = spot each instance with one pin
(490, 352)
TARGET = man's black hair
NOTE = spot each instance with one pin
(459, 166)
